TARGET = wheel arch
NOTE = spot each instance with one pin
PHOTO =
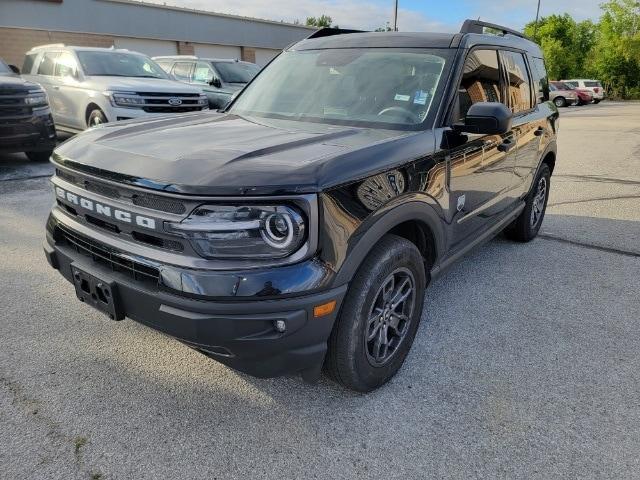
(416, 221)
(91, 106)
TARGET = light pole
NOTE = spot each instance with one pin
(395, 18)
(535, 27)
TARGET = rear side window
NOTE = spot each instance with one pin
(182, 71)
(592, 84)
(47, 63)
(541, 85)
(572, 84)
(165, 65)
(27, 65)
(480, 82)
(519, 86)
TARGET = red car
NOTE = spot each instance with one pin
(584, 96)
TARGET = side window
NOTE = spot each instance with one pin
(27, 65)
(47, 63)
(182, 71)
(519, 86)
(540, 80)
(480, 82)
(164, 65)
(572, 84)
(203, 73)
(65, 66)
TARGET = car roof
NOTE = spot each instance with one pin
(416, 40)
(62, 47)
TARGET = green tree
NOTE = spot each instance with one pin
(323, 21)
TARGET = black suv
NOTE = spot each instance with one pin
(25, 118)
(300, 227)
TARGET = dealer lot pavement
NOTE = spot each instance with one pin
(526, 364)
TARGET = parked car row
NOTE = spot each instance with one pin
(576, 92)
(73, 88)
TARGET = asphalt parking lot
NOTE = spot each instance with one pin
(526, 363)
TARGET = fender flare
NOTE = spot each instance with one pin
(377, 225)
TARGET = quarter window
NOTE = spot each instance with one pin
(203, 73)
(27, 65)
(519, 85)
(540, 80)
(47, 63)
(480, 82)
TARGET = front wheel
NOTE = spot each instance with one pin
(526, 226)
(379, 318)
(39, 156)
(95, 118)
(560, 102)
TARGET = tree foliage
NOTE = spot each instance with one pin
(321, 22)
(608, 50)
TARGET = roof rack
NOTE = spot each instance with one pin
(182, 57)
(478, 26)
(328, 32)
(49, 45)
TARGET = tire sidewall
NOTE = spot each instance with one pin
(95, 113)
(358, 305)
(546, 173)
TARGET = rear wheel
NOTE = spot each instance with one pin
(95, 118)
(526, 226)
(379, 318)
(560, 102)
(596, 101)
(39, 156)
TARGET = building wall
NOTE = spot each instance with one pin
(264, 55)
(146, 46)
(217, 51)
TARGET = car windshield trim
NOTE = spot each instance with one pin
(388, 88)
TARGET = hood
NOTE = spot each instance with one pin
(224, 154)
(136, 84)
(11, 81)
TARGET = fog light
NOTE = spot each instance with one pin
(280, 326)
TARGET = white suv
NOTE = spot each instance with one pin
(594, 86)
(89, 86)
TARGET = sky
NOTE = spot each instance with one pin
(413, 15)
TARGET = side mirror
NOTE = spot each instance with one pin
(14, 69)
(215, 82)
(487, 118)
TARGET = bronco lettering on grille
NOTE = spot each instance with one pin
(106, 210)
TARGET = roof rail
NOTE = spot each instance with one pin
(190, 57)
(328, 32)
(50, 45)
(478, 26)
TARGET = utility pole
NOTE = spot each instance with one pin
(535, 28)
(395, 18)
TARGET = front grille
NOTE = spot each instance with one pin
(12, 104)
(147, 200)
(160, 102)
(104, 255)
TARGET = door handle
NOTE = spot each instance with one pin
(539, 131)
(506, 145)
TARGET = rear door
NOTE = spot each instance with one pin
(481, 166)
(46, 78)
(66, 73)
(529, 122)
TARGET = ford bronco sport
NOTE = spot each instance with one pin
(301, 226)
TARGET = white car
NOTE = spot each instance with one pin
(89, 86)
(594, 86)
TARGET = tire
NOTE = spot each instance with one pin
(354, 362)
(560, 102)
(39, 156)
(525, 228)
(95, 118)
(596, 102)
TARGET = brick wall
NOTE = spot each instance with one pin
(15, 42)
(248, 54)
(186, 48)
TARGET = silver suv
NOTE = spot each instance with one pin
(89, 86)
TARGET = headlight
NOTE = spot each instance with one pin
(125, 99)
(243, 231)
(36, 98)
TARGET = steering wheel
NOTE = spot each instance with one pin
(408, 114)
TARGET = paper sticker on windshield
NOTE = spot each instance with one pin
(420, 97)
(402, 98)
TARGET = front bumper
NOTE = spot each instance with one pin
(114, 113)
(239, 333)
(35, 133)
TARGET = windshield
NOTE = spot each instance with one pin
(346, 86)
(4, 68)
(236, 72)
(119, 64)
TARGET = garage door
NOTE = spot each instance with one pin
(216, 51)
(151, 48)
(264, 55)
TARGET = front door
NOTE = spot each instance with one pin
(481, 166)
